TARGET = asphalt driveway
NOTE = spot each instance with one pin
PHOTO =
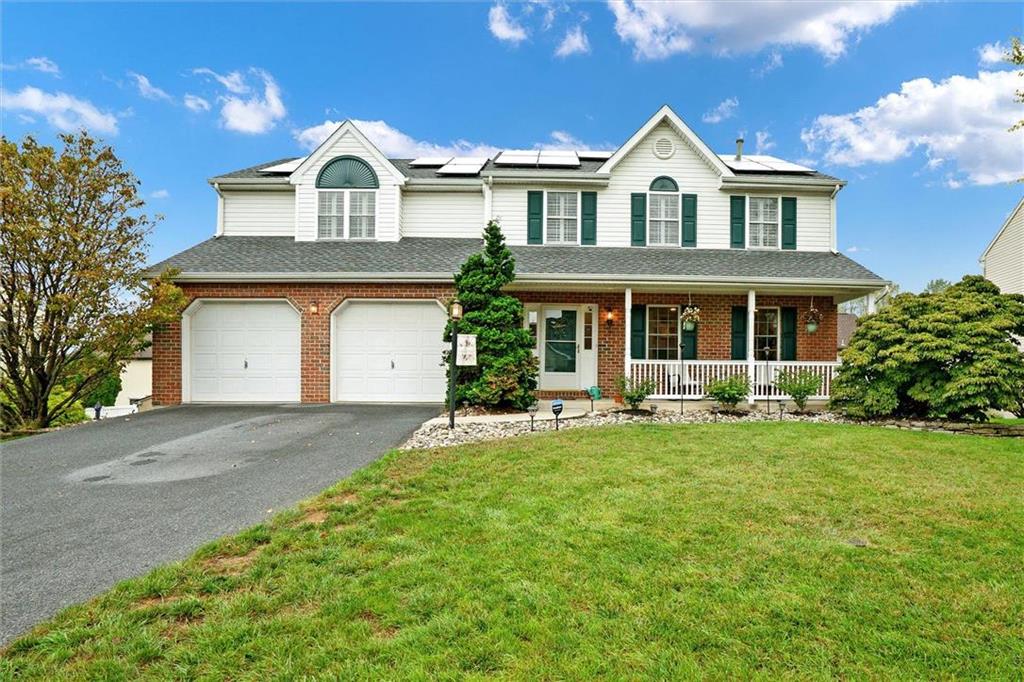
(85, 507)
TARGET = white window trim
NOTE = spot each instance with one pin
(647, 331)
(347, 212)
(647, 223)
(579, 218)
(778, 235)
(778, 328)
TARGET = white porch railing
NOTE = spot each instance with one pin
(671, 379)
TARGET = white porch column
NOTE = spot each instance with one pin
(751, 305)
(628, 319)
(871, 303)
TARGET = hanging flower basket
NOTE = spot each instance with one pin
(690, 317)
(812, 318)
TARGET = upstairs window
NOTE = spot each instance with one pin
(764, 223)
(347, 199)
(562, 218)
(663, 219)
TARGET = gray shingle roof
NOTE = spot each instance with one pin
(254, 171)
(437, 258)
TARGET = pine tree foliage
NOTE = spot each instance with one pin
(506, 372)
(948, 355)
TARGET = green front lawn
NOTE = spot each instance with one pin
(626, 552)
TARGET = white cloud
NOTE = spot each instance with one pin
(992, 53)
(61, 110)
(763, 142)
(503, 26)
(195, 103)
(393, 142)
(658, 30)
(233, 82)
(575, 42)
(960, 121)
(40, 64)
(725, 109)
(856, 249)
(244, 108)
(160, 194)
(560, 139)
(147, 89)
(771, 63)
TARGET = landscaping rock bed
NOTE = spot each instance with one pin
(438, 435)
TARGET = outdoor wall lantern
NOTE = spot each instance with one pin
(456, 311)
(609, 317)
(314, 309)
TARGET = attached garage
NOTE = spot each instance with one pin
(242, 351)
(389, 351)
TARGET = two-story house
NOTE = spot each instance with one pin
(1002, 262)
(329, 275)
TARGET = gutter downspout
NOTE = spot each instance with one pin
(832, 217)
(220, 210)
(488, 198)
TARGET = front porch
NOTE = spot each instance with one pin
(689, 378)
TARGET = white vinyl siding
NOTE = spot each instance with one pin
(563, 218)
(387, 199)
(259, 213)
(1004, 262)
(763, 223)
(663, 219)
(442, 214)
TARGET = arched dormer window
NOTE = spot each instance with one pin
(347, 199)
(664, 183)
(663, 212)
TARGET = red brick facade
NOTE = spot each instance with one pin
(713, 336)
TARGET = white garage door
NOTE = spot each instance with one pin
(245, 352)
(389, 352)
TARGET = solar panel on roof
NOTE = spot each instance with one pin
(286, 167)
(553, 157)
(778, 164)
(430, 161)
(590, 154)
(463, 166)
(517, 157)
(761, 163)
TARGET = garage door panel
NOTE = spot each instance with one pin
(245, 352)
(389, 351)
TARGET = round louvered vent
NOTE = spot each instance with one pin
(663, 148)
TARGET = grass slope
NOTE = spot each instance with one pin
(627, 552)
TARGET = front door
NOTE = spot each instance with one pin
(560, 352)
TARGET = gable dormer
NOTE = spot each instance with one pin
(347, 190)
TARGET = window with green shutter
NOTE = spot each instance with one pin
(588, 236)
(737, 222)
(689, 220)
(638, 218)
(638, 332)
(534, 217)
(789, 222)
(788, 334)
(739, 332)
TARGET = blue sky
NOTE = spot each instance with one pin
(903, 100)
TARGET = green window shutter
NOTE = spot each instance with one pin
(788, 320)
(690, 345)
(588, 211)
(737, 222)
(789, 222)
(638, 333)
(535, 217)
(638, 218)
(689, 220)
(739, 332)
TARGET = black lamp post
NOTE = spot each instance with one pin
(456, 315)
(767, 383)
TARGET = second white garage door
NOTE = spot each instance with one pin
(387, 351)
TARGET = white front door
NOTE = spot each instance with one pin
(559, 347)
(389, 351)
(244, 352)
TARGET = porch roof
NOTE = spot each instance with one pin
(436, 259)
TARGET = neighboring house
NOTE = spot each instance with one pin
(1002, 262)
(846, 326)
(329, 275)
(136, 379)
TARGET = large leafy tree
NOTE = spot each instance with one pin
(506, 371)
(945, 355)
(75, 303)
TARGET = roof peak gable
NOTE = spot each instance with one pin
(666, 114)
(346, 128)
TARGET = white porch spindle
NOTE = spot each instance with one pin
(668, 383)
(751, 305)
(628, 319)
